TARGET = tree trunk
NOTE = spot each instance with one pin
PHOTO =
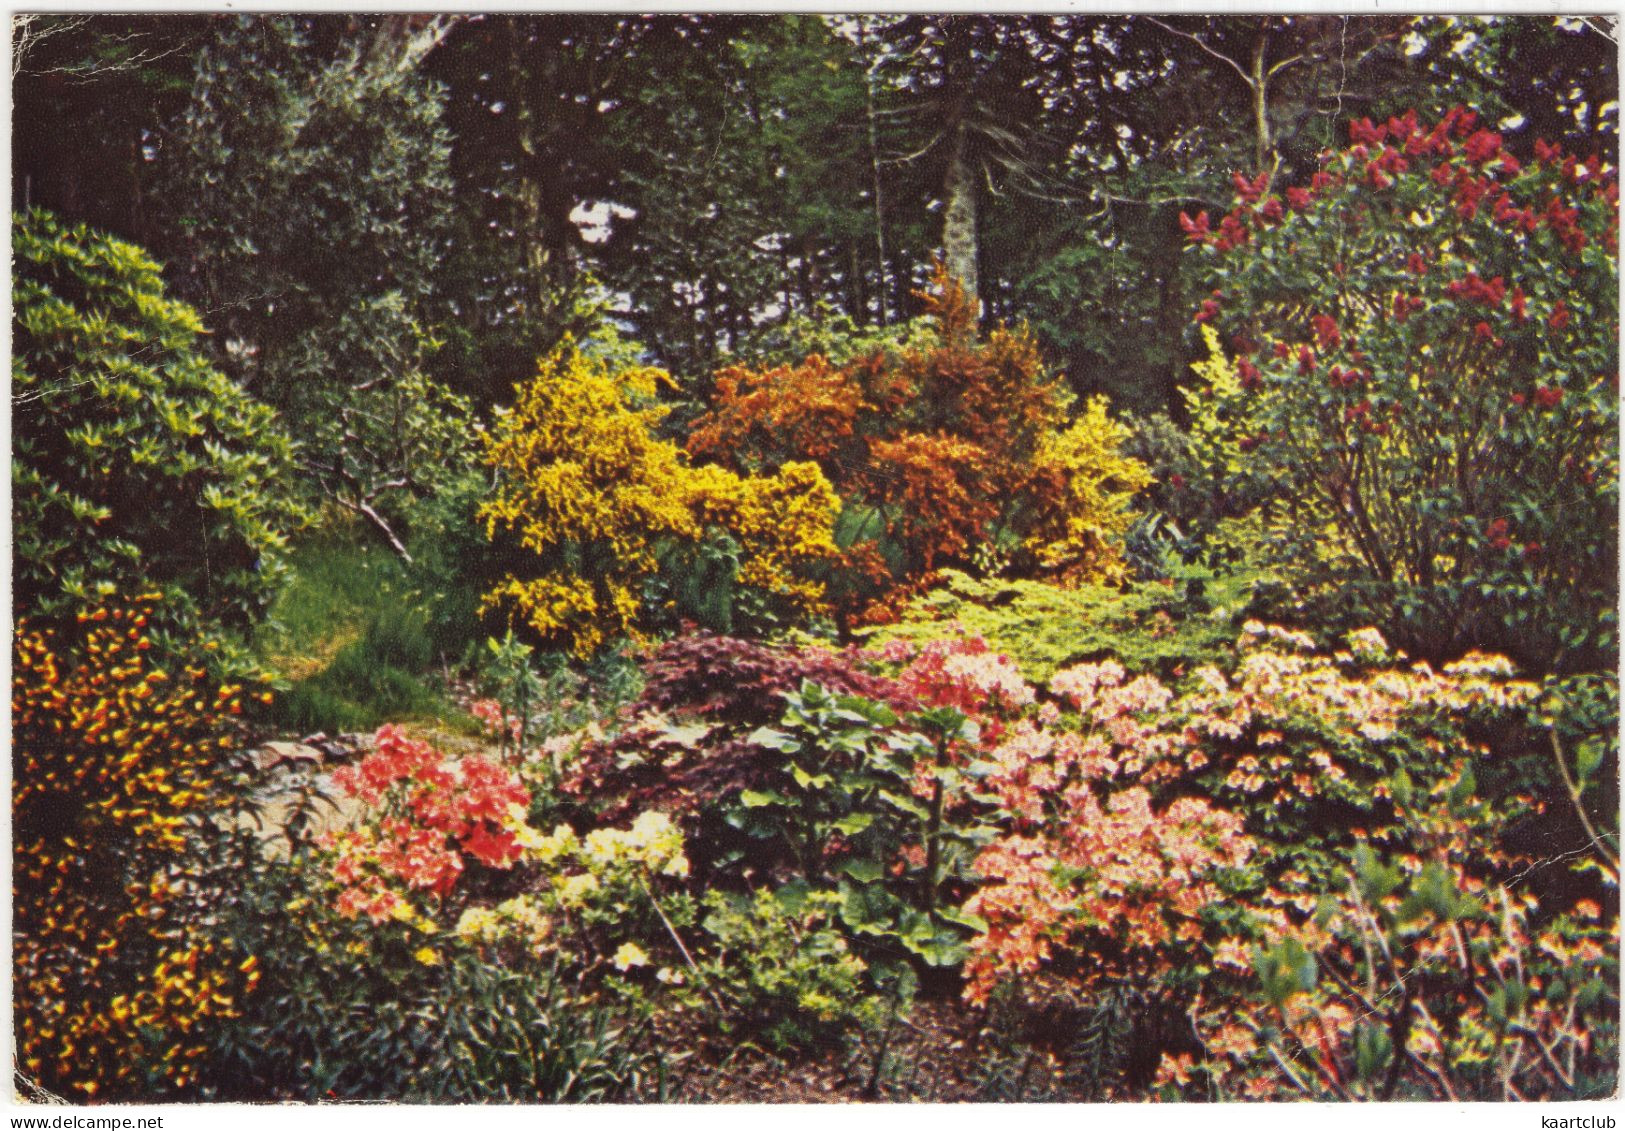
(528, 191)
(959, 217)
(1263, 144)
(874, 172)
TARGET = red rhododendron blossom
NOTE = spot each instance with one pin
(1197, 229)
(1250, 191)
(1326, 332)
(1233, 232)
(1482, 146)
(1363, 132)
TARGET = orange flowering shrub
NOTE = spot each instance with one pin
(1194, 848)
(808, 411)
(935, 486)
(1095, 883)
(594, 499)
(426, 815)
(1418, 981)
(116, 771)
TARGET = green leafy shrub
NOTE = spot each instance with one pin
(783, 970)
(1419, 983)
(877, 803)
(1163, 627)
(351, 1010)
(1423, 389)
(135, 465)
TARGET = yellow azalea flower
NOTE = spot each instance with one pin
(427, 955)
(479, 924)
(575, 889)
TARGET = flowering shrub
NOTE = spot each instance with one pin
(598, 900)
(1082, 487)
(1419, 981)
(427, 815)
(681, 747)
(1148, 839)
(1116, 891)
(1314, 748)
(1425, 362)
(949, 452)
(594, 499)
(1091, 882)
(117, 769)
(961, 672)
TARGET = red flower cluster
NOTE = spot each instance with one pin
(1481, 146)
(1407, 305)
(1491, 293)
(1326, 332)
(433, 810)
(1250, 191)
(963, 673)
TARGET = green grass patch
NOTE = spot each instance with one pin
(348, 638)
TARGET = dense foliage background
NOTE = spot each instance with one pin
(985, 557)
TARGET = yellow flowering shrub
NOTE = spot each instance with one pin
(115, 766)
(1085, 485)
(594, 891)
(595, 497)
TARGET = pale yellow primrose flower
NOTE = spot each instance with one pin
(630, 955)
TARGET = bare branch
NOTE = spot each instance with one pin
(1235, 66)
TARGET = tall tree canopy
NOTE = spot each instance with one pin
(469, 180)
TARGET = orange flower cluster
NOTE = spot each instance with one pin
(426, 812)
(115, 766)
